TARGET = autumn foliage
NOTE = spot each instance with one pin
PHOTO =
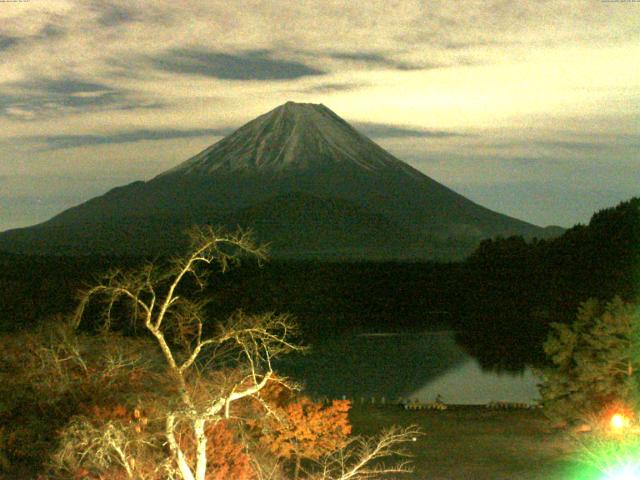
(288, 426)
(301, 428)
(180, 399)
(77, 385)
(226, 456)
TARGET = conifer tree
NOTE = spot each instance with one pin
(594, 361)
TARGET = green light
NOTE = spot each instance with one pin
(627, 471)
(615, 455)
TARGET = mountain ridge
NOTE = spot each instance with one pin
(304, 148)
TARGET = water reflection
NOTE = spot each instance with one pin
(501, 352)
(404, 366)
(469, 384)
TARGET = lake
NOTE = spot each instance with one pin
(417, 366)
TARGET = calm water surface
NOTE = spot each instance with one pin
(419, 366)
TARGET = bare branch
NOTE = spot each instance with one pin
(363, 458)
(194, 354)
(177, 325)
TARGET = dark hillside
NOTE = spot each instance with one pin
(501, 300)
(515, 289)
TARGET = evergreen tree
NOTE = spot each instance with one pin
(595, 361)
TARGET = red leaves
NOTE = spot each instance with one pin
(303, 428)
(137, 417)
(226, 457)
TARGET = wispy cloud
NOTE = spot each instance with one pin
(7, 41)
(56, 142)
(248, 65)
(64, 86)
(421, 75)
(463, 45)
(333, 87)
(575, 146)
(112, 15)
(47, 97)
(376, 59)
(50, 31)
(381, 130)
(572, 145)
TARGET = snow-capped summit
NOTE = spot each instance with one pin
(292, 136)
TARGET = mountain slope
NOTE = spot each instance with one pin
(327, 227)
(292, 136)
(302, 149)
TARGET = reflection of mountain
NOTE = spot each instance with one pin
(467, 383)
(407, 366)
(358, 199)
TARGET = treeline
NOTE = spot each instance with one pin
(33, 288)
(323, 296)
(501, 299)
(515, 289)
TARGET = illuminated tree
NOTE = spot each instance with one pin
(301, 429)
(177, 324)
(181, 399)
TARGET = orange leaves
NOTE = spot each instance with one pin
(82, 474)
(226, 457)
(136, 375)
(119, 411)
(136, 418)
(303, 428)
(109, 412)
(309, 429)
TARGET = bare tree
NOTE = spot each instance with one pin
(196, 359)
(365, 458)
(178, 326)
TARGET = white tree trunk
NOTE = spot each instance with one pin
(183, 466)
(201, 445)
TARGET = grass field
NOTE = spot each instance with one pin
(468, 443)
(476, 443)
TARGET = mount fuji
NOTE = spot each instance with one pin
(303, 179)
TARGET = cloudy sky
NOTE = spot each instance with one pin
(529, 108)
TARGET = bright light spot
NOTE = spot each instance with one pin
(619, 421)
(629, 471)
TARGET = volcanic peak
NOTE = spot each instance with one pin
(293, 136)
